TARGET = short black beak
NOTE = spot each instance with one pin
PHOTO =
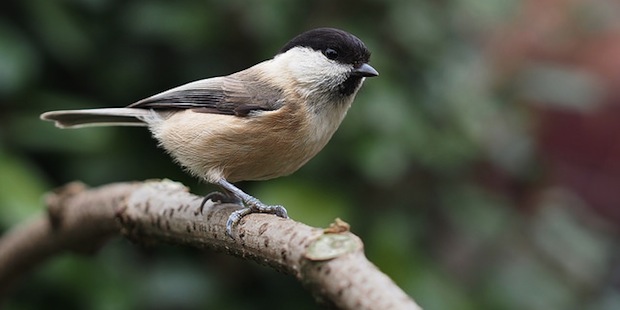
(365, 70)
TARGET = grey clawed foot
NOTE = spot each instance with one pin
(252, 205)
(236, 216)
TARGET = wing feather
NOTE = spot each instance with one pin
(230, 95)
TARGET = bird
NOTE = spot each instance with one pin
(260, 123)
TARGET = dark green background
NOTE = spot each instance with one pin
(438, 166)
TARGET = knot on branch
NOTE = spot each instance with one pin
(57, 200)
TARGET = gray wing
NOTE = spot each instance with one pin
(236, 94)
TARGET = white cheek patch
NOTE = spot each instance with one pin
(311, 69)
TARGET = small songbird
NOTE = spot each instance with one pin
(257, 124)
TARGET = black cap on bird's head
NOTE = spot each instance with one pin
(339, 46)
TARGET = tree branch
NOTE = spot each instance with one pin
(330, 262)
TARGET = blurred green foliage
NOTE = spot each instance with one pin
(406, 169)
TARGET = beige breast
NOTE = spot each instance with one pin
(213, 146)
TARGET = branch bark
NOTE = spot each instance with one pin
(330, 262)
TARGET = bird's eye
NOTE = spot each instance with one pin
(330, 53)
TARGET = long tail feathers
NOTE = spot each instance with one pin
(99, 117)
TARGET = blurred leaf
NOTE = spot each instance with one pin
(610, 300)
(482, 15)
(578, 250)
(561, 86)
(477, 214)
(183, 26)
(61, 29)
(18, 60)
(175, 284)
(520, 282)
(417, 25)
(389, 246)
(311, 203)
(435, 290)
(21, 189)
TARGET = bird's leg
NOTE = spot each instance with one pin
(221, 197)
(252, 205)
